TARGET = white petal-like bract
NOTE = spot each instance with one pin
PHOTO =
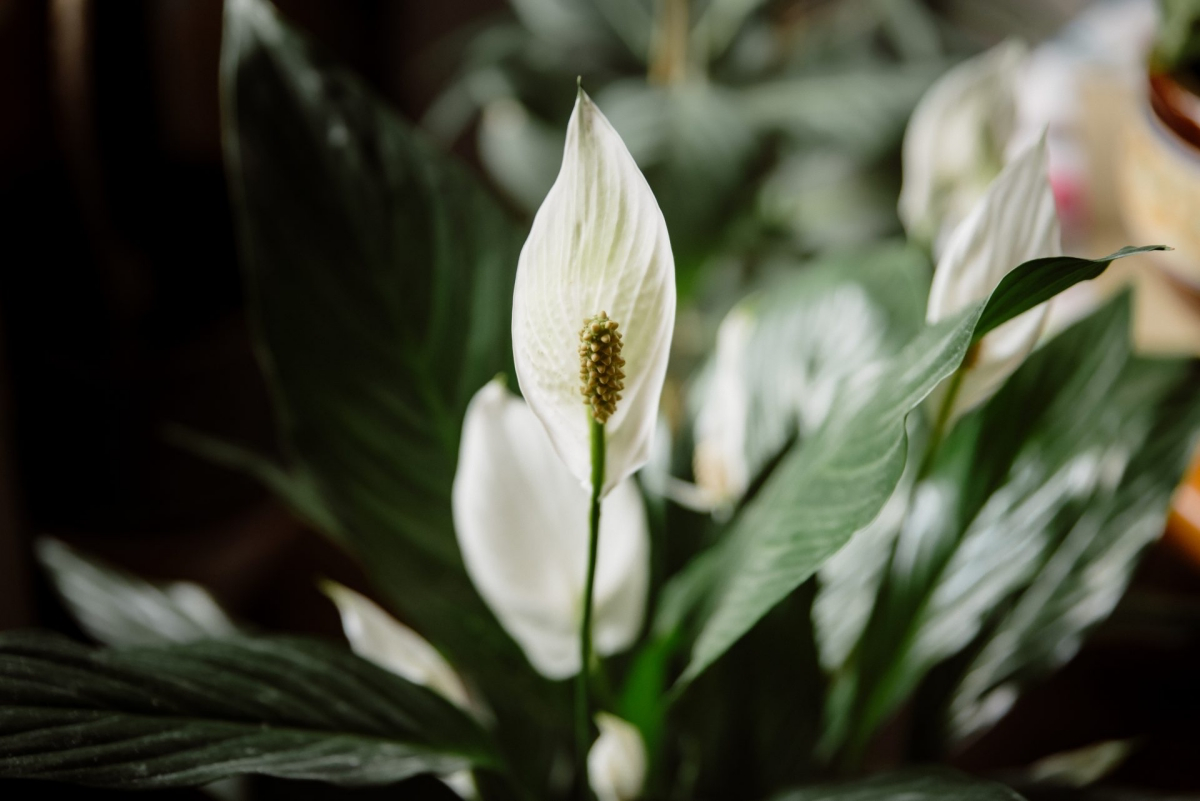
(378, 637)
(598, 243)
(956, 140)
(521, 519)
(617, 762)
(1015, 222)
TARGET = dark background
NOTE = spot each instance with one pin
(121, 312)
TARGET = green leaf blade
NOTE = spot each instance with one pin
(924, 785)
(185, 715)
(380, 277)
(1039, 280)
(1061, 479)
(825, 491)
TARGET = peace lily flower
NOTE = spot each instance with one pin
(1015, 222)
(522, 521)
(378, 637)
(617, 761)
(597, 255)
(956, 141)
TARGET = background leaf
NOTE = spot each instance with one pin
(296, 486)
(938, 785)
(1025, 532)
(800, 341)
(823, 492)
(118, 608)
(831, 486)
(380, 280)
(186, 715)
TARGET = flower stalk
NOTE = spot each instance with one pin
(583, 713)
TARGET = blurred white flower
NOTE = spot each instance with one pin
(1015, 222)
(778, 369)
(956, 140)
(522, 525)
(598, 244)
(617, 761)
(720, 463)
(378, 637)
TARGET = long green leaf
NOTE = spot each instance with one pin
(1030, 525)
(941, 785)
(186, 715)
(1039, 280)
(380, 278)
(836, 483)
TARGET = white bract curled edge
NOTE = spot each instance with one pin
(598, 244)
(617, 762)
(956, 141)
(1015, 222)
(522, 525)
(378, 637)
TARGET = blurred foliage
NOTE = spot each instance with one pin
(1020, 539)
(117, 608)
(1178, 47)
(761, 126)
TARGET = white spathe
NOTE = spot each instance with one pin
(617, 762)
(522, 525)
(956, 141)
(598, 243)
(1015, 222)
(378, 637)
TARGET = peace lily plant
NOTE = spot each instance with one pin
(909, 478)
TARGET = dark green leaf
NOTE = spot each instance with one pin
(381, 280)
(186, 715)
(1026, 530)
(380, 277)
(911, 786)
(1039, 280)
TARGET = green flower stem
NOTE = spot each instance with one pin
(583, 713)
